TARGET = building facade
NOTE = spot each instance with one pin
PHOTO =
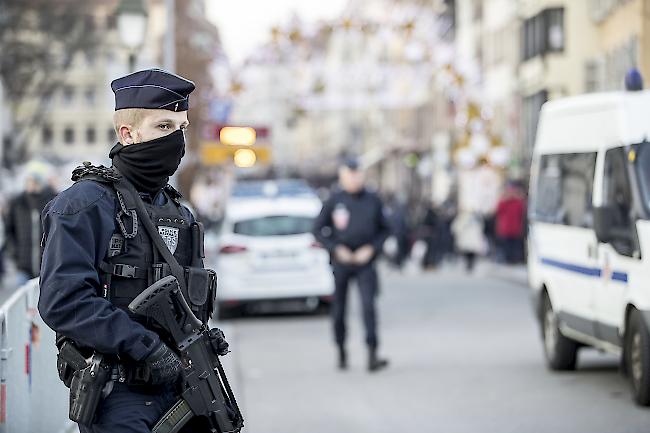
(557, 38)
(77, 122)
(623, 28)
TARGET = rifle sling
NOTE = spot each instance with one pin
(124, 186)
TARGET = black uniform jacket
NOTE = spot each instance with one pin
(78, 225)
(352, 220)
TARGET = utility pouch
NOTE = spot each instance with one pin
(201, 290)
(86, 389)
(197, 285)
(212, 291)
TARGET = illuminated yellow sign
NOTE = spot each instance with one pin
(237, 136)
(244, 158)
(214, 153)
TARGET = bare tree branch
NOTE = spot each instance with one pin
(38, 42)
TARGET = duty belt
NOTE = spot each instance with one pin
(118, 374)
(130, 374)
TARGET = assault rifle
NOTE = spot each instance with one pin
(205, 391)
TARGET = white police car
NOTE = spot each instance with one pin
(267, 256)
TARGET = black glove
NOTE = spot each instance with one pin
(218, 342)
(164, 365)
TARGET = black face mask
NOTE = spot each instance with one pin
(148, 165)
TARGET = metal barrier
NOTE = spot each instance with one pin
(32, 399)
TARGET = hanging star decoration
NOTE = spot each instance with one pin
(236, 87)
(319, 86)
(408, 28)
(276, 34)
(295, 36)
(347, 24)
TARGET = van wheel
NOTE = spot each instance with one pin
(561, 352)
(637, 351)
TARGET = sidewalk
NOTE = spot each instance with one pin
(9, 282)
(517, 274)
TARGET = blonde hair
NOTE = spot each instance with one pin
(128, 116)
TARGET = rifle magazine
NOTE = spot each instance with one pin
(174, 419)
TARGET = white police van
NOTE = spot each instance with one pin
(589, 239)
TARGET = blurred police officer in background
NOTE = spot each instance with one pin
(97, 258)
(353, 228)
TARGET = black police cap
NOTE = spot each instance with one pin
(351, 162)
(152, 88)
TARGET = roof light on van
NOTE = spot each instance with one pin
(633, 80)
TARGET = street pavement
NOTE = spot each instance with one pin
(465, 355)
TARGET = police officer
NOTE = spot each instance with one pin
(97, 257)
(353, 228)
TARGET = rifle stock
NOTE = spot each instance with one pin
(205, 391)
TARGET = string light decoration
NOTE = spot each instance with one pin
(476, 143)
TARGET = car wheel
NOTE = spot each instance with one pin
(637, 351)
(561, 352)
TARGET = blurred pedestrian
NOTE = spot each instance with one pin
(430, 234)
(207, 197)
(468, 234)
(446, 215)
(353, 227)
(397, 215)
(491, 240)
(23, 230)
(510, 216)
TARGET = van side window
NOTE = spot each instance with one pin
(618, 193)
(565, 188)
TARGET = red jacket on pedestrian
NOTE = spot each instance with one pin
(510, 218)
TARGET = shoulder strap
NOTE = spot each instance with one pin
(110, 176)
(98, 173)
(173, 194)
(124, 187)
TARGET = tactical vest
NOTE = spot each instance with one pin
(132, 262)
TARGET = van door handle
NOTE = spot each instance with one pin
(592, 251)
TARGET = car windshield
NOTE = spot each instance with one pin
(277, 225)
(642, 164)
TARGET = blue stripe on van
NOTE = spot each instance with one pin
(619, 276)
(592, 272)
(585, 270)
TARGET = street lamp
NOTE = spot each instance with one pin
(132, 25)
